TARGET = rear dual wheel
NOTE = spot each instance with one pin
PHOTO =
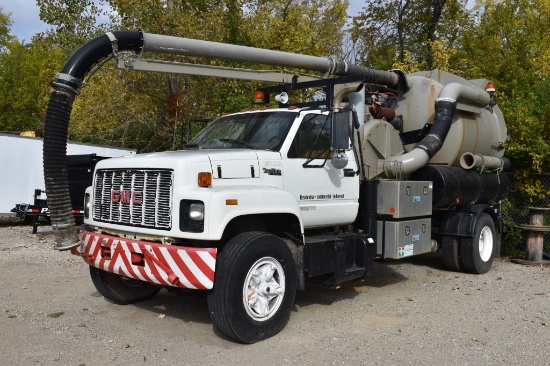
(450, 245)
(472, 254)
(478, 252)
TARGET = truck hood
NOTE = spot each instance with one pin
(224, 163)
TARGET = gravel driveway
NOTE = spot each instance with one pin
(408, 312)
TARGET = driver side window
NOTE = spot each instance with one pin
(312, 139)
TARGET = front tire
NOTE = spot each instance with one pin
(121, 290)
(254, 288)
(478, 252)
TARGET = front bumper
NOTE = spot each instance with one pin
(159, 264)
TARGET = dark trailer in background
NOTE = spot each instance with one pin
(80, 172)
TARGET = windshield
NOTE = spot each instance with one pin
(260, 130)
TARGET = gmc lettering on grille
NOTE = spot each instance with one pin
(126, 197)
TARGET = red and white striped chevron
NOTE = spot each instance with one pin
(160, 264)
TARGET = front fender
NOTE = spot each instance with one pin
(227, 203)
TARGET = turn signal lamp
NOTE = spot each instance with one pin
(205, 179)
(490, 88)
(259, 97)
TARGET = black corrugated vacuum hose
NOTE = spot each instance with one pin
(444, 111)
(65, 89)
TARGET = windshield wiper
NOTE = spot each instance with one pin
(242, 142)
(191, 146)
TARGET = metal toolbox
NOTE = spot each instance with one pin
(403, 199)
(404, 238)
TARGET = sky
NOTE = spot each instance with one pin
(26, 19)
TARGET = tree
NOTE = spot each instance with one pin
(75, 21)
(5, 26)
(406, 31)
(509, 46)
(25, 75)
(313, 27)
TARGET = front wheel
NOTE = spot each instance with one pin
(121, 290)
(254, 288)
(478, 252)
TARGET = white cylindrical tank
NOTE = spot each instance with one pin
(477, 126)
(473, 130)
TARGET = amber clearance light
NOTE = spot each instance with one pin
(205, 179)
(259, 97)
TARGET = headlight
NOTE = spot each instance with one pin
(192, 216)
(196, 211)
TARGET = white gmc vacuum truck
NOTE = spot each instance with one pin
(261, 202)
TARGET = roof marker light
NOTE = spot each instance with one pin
(259, 97)
(490, 88)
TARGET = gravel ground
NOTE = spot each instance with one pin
(408, 312)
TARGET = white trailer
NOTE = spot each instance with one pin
(22, 171)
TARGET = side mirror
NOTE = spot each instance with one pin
(339, 160)
(341, 120)
(339, 141)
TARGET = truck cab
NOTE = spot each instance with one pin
(270, 165)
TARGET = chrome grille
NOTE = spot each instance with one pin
(134, 197)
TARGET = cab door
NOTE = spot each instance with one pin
(326, 195)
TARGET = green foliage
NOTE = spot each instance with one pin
(513, 241)
(508, 45)
(528, 186)
(406, 32)
(5, 25)
(75, 21)
(25, 75)
(313, 27)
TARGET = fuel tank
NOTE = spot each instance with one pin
(453, 186)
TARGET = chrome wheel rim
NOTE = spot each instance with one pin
(485, 243)
(264, 289)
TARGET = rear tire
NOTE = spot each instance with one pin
(451, 253)
(478, 252)
(121, 290)
(254, 288)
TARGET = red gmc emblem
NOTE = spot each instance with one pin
(126, 197)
